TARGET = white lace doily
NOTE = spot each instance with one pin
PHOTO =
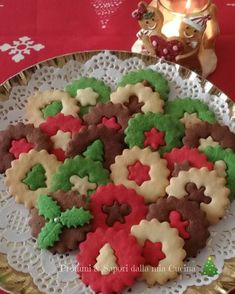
(47, 269)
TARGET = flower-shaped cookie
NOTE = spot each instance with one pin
(190, 111)
(48, 103)
(162, 249)
(117, 207)
(150, 100)
(60, 222)
(155, 79)
(21, 138)
(60, 129)
(203, 186)
(205, 134)
(88, 91)
(142, 170)
(158, 131)
(112, 259)
(187, 217)
(30, 176)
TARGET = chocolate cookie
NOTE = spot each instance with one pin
(114, 116)
(21, 138)
(111, 142)
(215, 134)
(53, 228)
(187, 217)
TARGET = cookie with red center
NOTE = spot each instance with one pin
(117, 207)
(192, 156)
(114, 116)
(162, 249)
(60, 128)
(21, 138)
(187, 217)
(110, 257)
(110, 140)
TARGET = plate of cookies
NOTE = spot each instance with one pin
(117, 176)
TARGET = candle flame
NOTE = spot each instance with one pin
(188, 4)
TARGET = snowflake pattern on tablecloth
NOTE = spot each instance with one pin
(21, 47)
(105, 8)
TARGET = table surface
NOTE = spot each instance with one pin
(56, 27)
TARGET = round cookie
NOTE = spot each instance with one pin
(160, 132)
(143, 171)
(203, 186)
(88, 91)
(20, 138)
(117, 207)
(205, 134)
(190, 111)
(35, 109)
(60, 129)
(79, 174)
(187, 217)
(149, 100)
(162, 248)
(110, 257)
(30, 176)
(108, 144)
(110, 115)
(177, 157)
(155, 79)
(216, 154)
(66, 215)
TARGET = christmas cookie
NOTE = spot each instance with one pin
(205, 134)
(187, 217)
(112, 258)
(154, 78)
(177, 158)
(216, 154)
(30, 176)
(60, 129)
(117, 207)
(190, 111)
(142, 170)
(204, 187)
(150, 100)
(48, 103)
(88, 92)
(155, 130)
(79, 174)
(20, 138)
(60, 222)
(113, 116)
(162, 249)
(99, 143)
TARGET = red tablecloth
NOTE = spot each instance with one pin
(58, 27)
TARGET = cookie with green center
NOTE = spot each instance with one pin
(60, 221)
(158, 131)
(217, 153)
(44, 104)
(88, 91)
(190, 111)
(154, 79)
(79, 174)
(30, 176)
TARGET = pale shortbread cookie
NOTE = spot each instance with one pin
(150, 189)
(207, 142)
(106, 260)
(61, 139)
(172, 246)
(190, 119)
(40, 99)
(221, 167)
(87, 96)
(18, 171)
(152, 101)
(214, 188)
(81, 185)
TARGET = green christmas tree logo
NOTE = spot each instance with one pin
(209, 268)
